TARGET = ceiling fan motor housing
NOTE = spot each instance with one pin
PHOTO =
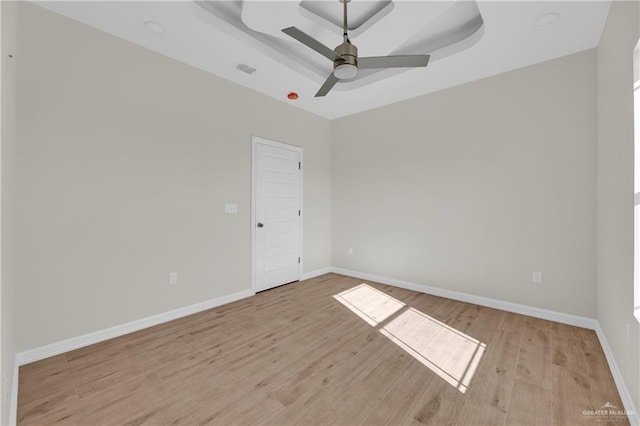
(349, 54)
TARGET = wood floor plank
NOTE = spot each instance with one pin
(534, 361)
(383, 377)
(38, 369)
(567, 353)
(571, 396)
(404, 396)
(489, 393)
(439, 404)
(530, 405)
(297, 355)
(41, 409)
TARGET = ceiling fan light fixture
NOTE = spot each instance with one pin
(345, 71)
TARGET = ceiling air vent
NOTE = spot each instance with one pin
(240, 66)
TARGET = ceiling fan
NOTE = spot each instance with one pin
(345, 57)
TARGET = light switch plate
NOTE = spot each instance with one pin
(230, 208)
(536, 278)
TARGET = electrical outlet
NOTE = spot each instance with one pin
(536, 278)
(173, 278)
(350, 250)
(230, 208)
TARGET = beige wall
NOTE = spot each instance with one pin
(473, 188)
(7, 154)
(125, 161)
(615, 189)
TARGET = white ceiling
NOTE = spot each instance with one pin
(509, 39)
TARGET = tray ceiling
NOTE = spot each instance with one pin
(467, 40)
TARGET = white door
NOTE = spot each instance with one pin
(277, 217)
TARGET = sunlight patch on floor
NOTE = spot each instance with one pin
(370, 304)
(452, 355)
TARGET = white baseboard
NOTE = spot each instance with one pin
(625, 396)
(316, 273)
(63, 346)
(13, 397)
(531, 311)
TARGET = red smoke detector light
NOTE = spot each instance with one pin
(293, 96)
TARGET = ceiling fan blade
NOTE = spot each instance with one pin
(328, 85)
(311, 42)
(399, 61)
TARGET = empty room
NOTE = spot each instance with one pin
(338, 212)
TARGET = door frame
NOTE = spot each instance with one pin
(255, 141)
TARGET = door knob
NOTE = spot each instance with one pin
(260, 225)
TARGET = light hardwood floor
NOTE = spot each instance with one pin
(297, 355)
